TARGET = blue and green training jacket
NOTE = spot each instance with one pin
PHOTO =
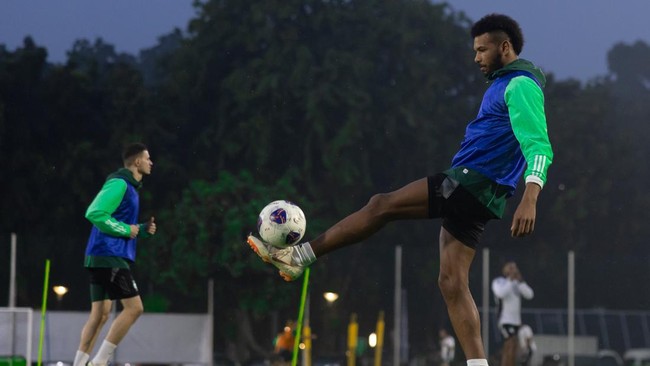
(113, 210)
(509, 136)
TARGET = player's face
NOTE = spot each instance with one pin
(144, 163)
(509, 269)
(488, 53)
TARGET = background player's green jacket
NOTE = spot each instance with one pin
(113, 210)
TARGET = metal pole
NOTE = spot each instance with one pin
(211, 317)
(485, 322)
(12, 291)
(12, 273)
(571, 309)
(30, 322)
(398, 306)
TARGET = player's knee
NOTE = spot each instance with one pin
(379, 205)
(93, 323)
(136, 311)
(133, 309)
(97, 318)
(103, 319)
(450, 285)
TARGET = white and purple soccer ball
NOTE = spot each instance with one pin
(281, 223)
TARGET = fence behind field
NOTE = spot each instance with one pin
(154, 338)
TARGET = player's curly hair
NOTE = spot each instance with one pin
(499, 23)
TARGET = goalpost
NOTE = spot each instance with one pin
(17, 324)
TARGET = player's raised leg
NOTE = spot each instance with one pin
(408, 202)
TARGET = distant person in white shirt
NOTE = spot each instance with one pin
(527, 345)
(508, 291)
(447, 347)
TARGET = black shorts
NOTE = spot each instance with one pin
(508, 330)
(285, 355)
(463, 216)
(111, 283)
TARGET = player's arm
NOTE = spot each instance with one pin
(525, 102)
(501, 287)
(101, 209)
(525, 290)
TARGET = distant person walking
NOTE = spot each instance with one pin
(447, 347)
(110, 251)
(508, 290)
(284, 343)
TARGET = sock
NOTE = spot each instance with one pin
(104, 354)
(477, 362)
(80, 358)
(303, 255)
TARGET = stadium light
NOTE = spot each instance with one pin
(372, 340)
(60, 291)
(330, 296)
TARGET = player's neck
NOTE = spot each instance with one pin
(136, 174)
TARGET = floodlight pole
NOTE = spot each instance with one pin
(571, 307)
(12, 289)
(211, 317)
(12, 273)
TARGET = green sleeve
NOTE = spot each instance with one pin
(100, 211)
(525, 102)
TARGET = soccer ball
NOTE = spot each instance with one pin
(281, 224)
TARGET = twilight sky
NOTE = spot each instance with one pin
(567, 38)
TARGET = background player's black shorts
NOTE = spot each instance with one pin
(463, 216)
(285, 355)
(111, 283)
(508, 330)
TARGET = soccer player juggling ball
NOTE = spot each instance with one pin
(508, 138)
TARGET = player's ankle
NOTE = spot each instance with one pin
(81, 358)
(303, 254)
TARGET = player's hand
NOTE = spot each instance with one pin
(135, 229)
(151, 226)
(523, 222)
